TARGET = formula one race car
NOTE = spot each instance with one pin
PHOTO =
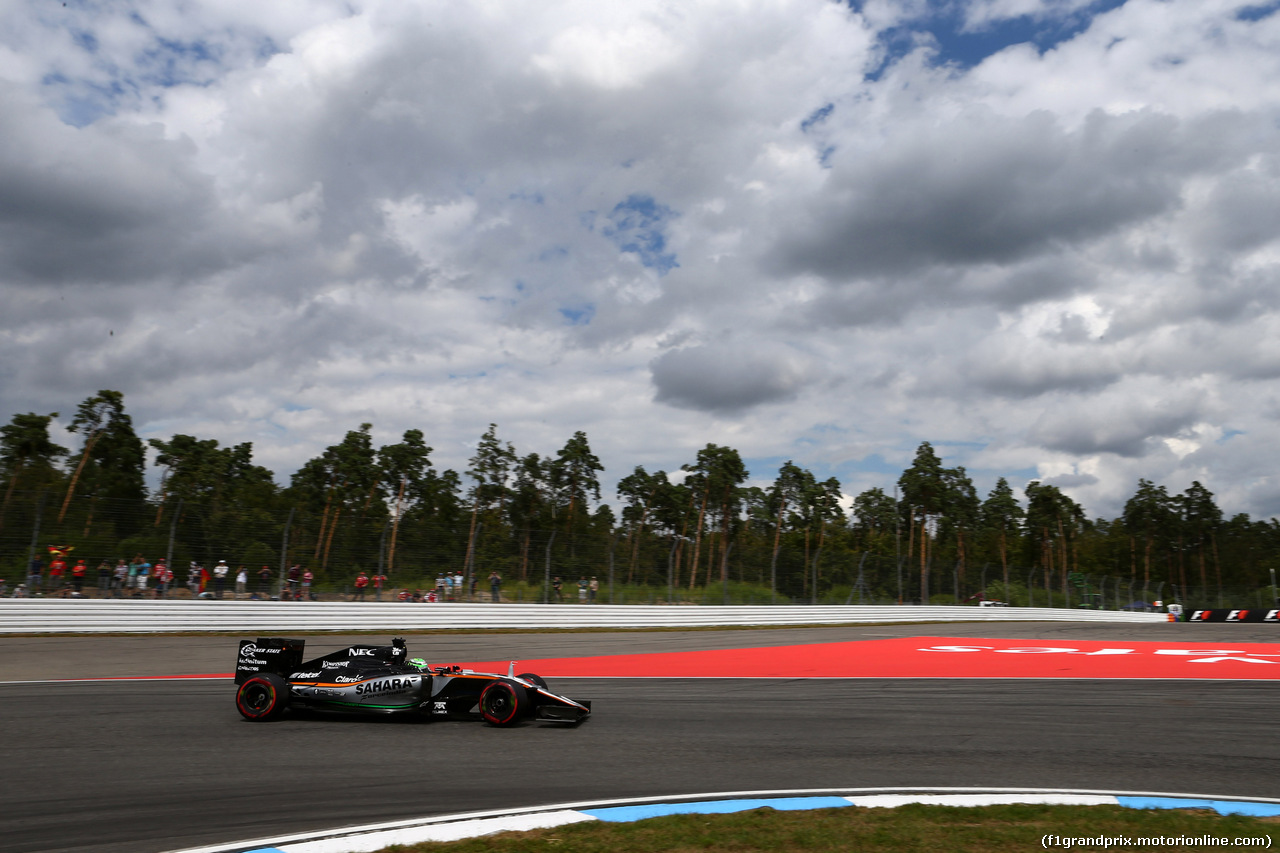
(379, 680)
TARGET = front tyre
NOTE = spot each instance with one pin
(533, 679)
(263, 698)
(503, 703)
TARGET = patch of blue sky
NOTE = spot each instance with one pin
(85, 40)
(82, 104)
(160, 63)
(813, 125)
(763, 469)
(1258, 12)
(580, 315)
(1018, 477)
(1228, 435)
(553, 253)
(295, 407)
(173, 63)
(943, 23)
(637, 226)
(816, 117)
(967, 445)
(531, 197)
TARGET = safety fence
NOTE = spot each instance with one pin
(264, 617)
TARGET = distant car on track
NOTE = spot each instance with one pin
(379, 680)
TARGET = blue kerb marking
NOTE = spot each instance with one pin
(265, 850)
(622, 814)
(1219, 806)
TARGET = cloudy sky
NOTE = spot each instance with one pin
(1040, 234)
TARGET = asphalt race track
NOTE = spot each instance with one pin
(150, 766)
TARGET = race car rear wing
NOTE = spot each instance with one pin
(268, 654)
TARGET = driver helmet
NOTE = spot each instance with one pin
(419, 663)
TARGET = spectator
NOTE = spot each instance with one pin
(495, 585)
(378, 580)
(307, 580)
(131, 579)
(294, 577)
(34, 576)
(57, 571)
(440, 587)
(4, 588)
(457, 586)
(556, 585)
(140, 582)
(242, 582)
(220, 573)
(164, 578)
(21, 591)
(592, 589)
(195, 579)
(264, 580)
(104, 579)
(119, 578)
(78, 572)
(582, 590)
(362, 581)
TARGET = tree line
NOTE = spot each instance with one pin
(930, 537)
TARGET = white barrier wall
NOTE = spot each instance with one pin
(79, 616)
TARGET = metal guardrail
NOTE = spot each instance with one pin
(88, 616)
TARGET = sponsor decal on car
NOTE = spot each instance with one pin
(305, 675)
(243, 661)
(347, 679)
(252, 649)
(334, 664)
(386, 685)
(439, 708)
(355, 653)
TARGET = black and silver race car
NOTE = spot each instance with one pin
(380, 680)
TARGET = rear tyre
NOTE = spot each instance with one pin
(503, 703)
(533, 679)
(263, 698)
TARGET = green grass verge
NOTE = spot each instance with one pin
(997, 829)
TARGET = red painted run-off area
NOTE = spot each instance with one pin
(927, 657)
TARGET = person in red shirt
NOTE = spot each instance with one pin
(378, 580)
(362, 581)
(57, 573)
(77, 575)
(307, 579)
(164, 577)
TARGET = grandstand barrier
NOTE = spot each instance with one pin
(88, 616)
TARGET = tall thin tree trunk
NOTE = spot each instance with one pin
(924, 563)
(471, 534)
(697, 540)
(395, 529)
(777, 545)
(1217, 564)
(8, 492)
(328, 544)
(1004, 559)
(88, 522)
(75, 478)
